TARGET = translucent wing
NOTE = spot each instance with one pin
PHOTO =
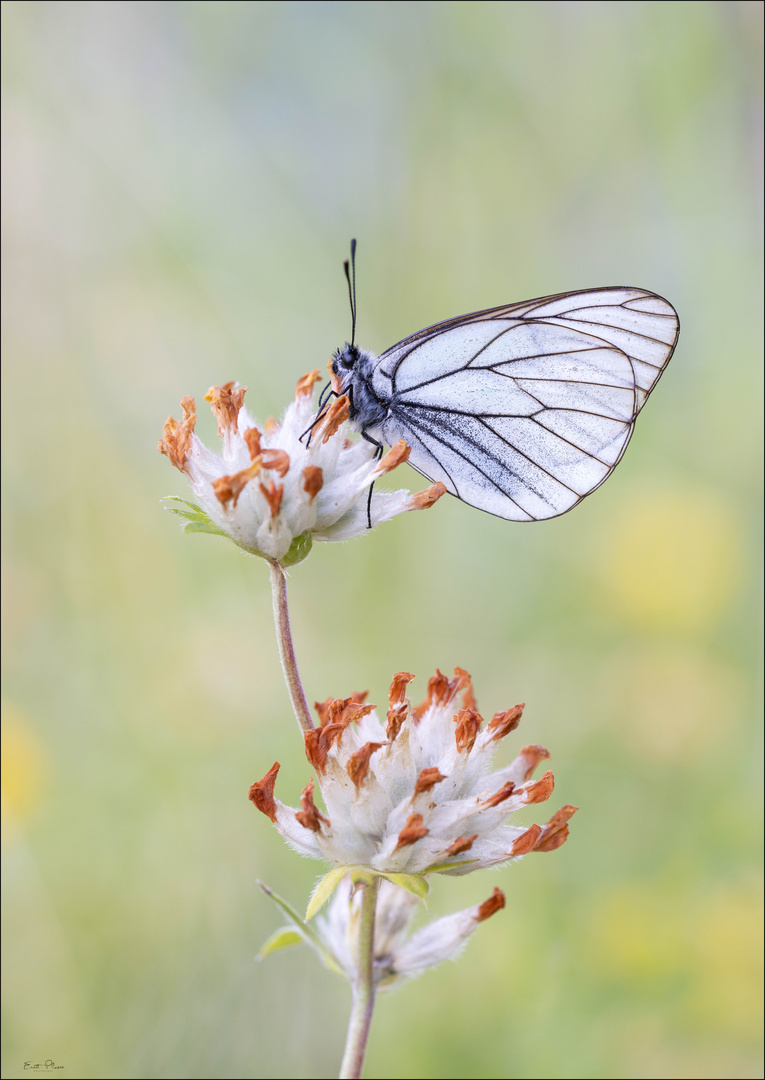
(523, 410)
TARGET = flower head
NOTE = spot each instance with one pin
(418, 795)
(269, 492)
(397, 955)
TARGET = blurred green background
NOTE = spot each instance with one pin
(181, 183)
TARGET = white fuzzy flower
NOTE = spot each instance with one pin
(417, 796)
(397, 956)
(272, 494)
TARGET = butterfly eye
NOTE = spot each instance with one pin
(347, 357)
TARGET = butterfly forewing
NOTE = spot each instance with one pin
(523, 410)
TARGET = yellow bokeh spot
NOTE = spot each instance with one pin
(21, 765)
(707, 948)
(682, 702)
(727, 937)
(671, 558)
(634, 937)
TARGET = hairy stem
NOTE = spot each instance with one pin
(363, 989)
(286, 648)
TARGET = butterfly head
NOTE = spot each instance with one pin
(344, 361)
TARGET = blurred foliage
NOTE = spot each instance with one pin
(181, 180)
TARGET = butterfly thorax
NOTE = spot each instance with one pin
(352, 368)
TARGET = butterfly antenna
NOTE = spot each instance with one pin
(350, 277)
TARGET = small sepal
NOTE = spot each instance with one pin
(413, 883)
(326, 886)
(299, 549)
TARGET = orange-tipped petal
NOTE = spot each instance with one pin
(226, 402)
(262, 792)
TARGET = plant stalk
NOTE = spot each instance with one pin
(286, 648)
(363, 988)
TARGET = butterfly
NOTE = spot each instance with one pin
(519, 410)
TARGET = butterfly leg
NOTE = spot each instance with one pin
(324, 398)
(378, 454)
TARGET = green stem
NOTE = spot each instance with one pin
(363, 988)
(286, 648)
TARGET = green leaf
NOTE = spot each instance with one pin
(324, 890)
(280, 939)
(443, 868)
(177, 498)
(196, 519)
(286, 907)
(413, 883)
(307, 933)
(188, 514)
(203, 527)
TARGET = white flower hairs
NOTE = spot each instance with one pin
(417, 796)
(404, 798)
(397, 957)
(272, 494)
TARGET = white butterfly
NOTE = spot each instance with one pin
(520, 410)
